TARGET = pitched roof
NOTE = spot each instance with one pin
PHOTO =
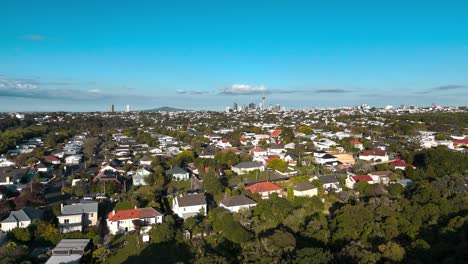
(191, 200)
(51, 159)
(237, 201)
(263, 187)
(357, 178)
(276, 132)
(400, 163)
(381, 173)
(248, 165)
(328, 179)
(82, 207)
(137, 213)
(373, 152)
(356, 142)
(257, 149)
(304, 186)
(25, 214)
(176, 170)
(276, 146)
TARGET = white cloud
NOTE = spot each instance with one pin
(239, 89)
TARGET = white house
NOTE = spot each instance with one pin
(75, 217)
(305, 188)
(123, 221)
(190, 205)
(382, 177)
(178, 173)
(146, 161)
(245, 167)
(69, 251)
(276, 149)
(236, 203)
(21, 218)
(139, 177)
(73, 159)
(374, 154)
(224, 143)
(330, 183)
(352, 180)
(258, 152)
(325, 158)
(6, 163)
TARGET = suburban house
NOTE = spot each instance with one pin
(69, 251)
(75, 217)
(401, 165)
(9, 175)
(146, 161)
(258, 152)
(352, 180)
(6, 163)
(265, 189)
(305, 188)
(73, 159)
(236, 203)
(374, 154)
(21, 218)
(224, 143)
(208, 153)
(382, 177)
(245, 167)
(52, 160)
(275, 135)
(41, 167)
(330, 183)
(276, 149)
(357, 144)
(123, 221)
(110, 176)
(140, 175)
(323, 158)
(190, 205)
(178, 173)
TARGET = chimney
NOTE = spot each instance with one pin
(7, 179)
(61, 207)
(136, 207)
(113, 212)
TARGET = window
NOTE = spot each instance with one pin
(66, 221)
(91, 214)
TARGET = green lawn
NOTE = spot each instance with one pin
(180, 185)
(123, 250)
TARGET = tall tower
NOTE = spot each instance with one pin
(263, 102)
(112, 108)
(128, 108)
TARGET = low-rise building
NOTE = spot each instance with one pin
(245, 167)
(236, 203)
(190, 205)
(21, 218)
(305, 188)
(69, 251)
(265, 189)
(123, 221)
(75, 217)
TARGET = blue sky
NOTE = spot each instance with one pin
(86, 55)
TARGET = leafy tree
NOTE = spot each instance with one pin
(211, 183)
(278, 164)
(163, 232)
(21, 234)
(313, 256)
(392, 251)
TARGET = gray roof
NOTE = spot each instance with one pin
(83, 207)
(237, 201)
(248, 165)
(328, 179)
(276, 146)
(176, 170)
(25, 214)
(303, 186)
(191, 199)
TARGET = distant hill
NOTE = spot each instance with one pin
(164, 109)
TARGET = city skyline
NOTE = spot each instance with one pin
(87, 56)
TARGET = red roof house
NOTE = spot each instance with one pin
(265, 189)
(276, 133)
(400, 164)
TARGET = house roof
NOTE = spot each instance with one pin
(176, 170)
(328, 179)
(25, 214)
(373, 152)
(237, 200)
(263, 187)
(304, 186)
(276, 132)
(83, 207)
(248, 165)
(191, 200)
(381, 173)
(276, 146)
(257, 149)
(357, 178)
(356, 142)
(327, 156)
(137, 213)
(51, 159)
(400, 163)
(146, 159)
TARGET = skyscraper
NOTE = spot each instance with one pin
(234, 106)
(112, 108)
(128, 108)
